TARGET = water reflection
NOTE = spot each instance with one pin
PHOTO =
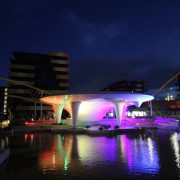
(138, 155)
(57, 155)
(29, 138)
(175, 145)
(93, 150)
(47, 156)
(4, 142)
(4, 150)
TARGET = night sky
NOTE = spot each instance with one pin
(107, 40)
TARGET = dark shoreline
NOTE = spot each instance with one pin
(44, 129)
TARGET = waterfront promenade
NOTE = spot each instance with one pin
(129, 125)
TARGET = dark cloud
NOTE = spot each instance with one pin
(93, 33)
(106, 40)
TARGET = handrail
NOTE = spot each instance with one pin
(27, 85)
(166, 83)
(23, 98)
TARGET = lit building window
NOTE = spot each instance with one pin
(169, 97)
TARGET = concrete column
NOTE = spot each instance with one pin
(41, 107)
(151, 112)
(58, 108)
(75, 109)
(120, 109)
(35, 111)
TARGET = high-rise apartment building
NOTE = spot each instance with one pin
(45, 71)
(3, 101)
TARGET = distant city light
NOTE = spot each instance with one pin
(168, 94)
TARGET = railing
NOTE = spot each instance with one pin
(166, 83)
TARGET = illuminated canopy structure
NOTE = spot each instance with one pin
(93, 107)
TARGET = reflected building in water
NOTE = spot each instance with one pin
(77, 153)
(59, 153)
(152, 155)
(140, 154)
(174, 139)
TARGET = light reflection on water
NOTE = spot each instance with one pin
(138, 155)
(175, 145)
(141, 154)
(57, 155)
(75, 155)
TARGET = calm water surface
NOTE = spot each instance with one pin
(59, 156)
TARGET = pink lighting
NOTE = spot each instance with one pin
(93, 107)
(96, 110)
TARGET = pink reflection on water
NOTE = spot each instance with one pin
(95, 150)
(141, 154)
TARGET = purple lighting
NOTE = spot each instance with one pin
(93, 107)
(140, 153)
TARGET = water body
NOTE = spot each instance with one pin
(63, 156)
